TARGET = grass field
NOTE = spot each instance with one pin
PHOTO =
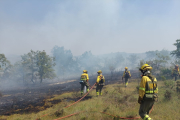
(116, 100)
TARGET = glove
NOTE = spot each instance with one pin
(97, 83)
(140, 100)
(87, 80)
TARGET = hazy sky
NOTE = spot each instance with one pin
(99, 26)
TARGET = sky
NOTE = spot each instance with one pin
(99, 26)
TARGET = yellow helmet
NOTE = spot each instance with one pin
(99, 71)
(126, 68)
(145, 67)
(84, 71)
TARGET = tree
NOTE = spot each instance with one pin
(158, 63)
(176, 52)
(45, 65)
(3, 61)
(5, 67)
(30, 62)
(64, 60)
(19, 71)
(150, 55)
(88, 61)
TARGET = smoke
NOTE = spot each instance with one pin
(101, 26)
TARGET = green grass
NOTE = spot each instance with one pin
(116, 100)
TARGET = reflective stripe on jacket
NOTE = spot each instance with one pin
(84, 76)
(146, 86)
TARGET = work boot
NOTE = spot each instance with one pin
(147, 118)
(97, 94)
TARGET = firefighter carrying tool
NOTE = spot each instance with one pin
(100, 82)
(126, 75)
(84, 81)
(147, 92)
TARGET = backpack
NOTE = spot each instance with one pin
(127, 74)
(83, 79)
(102, 81)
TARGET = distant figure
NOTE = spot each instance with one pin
(84, 81)
(175, 72)
(147, 92)
(100, 82)
(126, 75)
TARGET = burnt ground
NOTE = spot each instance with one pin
(32, 98)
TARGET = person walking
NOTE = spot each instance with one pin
(147, 92)
(100, 82)
(84, 81)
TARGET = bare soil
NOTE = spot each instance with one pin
(32, 98)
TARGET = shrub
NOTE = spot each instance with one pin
(83, 118)
(166, 72)
(178, 86)
(163, 78)
(59, 113)
(76, 94)
(168, 83)
(168, 95)
(116, 118)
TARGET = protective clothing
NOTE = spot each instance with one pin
(100, 82)
(140, 100)
(99, 71)
(147, 92)
(85, 71)
(145, 67)
(145, 108)
(84, 81)
(126, 75)
(175, 72)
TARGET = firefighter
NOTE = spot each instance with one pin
(84, 81)
(147, 92)
(99, 83)
(175, 72)
(126, 75)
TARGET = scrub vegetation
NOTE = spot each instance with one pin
(116, 100)
(37, 70)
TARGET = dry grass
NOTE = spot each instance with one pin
(116, 100)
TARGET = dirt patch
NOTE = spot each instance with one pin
(32, 100)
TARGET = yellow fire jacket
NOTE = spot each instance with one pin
(146, 86)
(85, 76)
(99, 78)
(125, 74)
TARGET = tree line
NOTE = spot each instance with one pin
(38, 65)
